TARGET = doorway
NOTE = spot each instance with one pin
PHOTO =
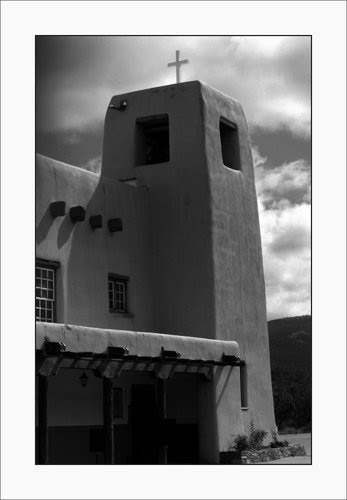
(143, 416)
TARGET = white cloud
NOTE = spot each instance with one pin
(264, 46)
(285, 222)
(93, 165)
(289, 182)
(271, 78)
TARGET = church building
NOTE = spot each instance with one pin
(151, 331)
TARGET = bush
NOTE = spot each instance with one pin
(253, 442)
(256, 437)
(241, 442)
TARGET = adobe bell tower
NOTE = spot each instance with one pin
(189, 146)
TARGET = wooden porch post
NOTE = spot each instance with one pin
(108, 420)
(43, 423)
(162, 415)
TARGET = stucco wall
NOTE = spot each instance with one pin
(179, 196)
(86, 256)
(240, 303)
(207, 259)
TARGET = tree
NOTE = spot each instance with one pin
(292, 397)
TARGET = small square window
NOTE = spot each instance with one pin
(117, 293)
(230, 144)
(152, 140)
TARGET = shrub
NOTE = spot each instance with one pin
(253, 442)
(256, 437)
(241, 442)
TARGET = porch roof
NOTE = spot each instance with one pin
(81, 339)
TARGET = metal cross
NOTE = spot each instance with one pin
(178, 63)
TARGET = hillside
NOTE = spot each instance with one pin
(290, 342)
(291, 363)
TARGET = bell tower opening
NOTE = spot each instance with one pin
(230, 144)
(152, 137)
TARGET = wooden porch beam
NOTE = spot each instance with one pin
(161, 385)
(108, 420)
(43, 421)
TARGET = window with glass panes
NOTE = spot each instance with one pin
(45, 293)
(117, 294)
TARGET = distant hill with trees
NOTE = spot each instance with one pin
(290, 342)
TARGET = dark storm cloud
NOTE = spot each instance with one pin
(76, 76)
(71, 146)
(281, 147)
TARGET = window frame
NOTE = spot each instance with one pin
(123, 280)
(48, 265)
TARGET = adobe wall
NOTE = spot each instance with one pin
(86, 256)
(179, 202)
(240, 302)
(207, 260)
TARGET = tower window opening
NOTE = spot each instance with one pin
(153, 144)
(230, 144)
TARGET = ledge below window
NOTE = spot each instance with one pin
(244, 408)
(118, 314)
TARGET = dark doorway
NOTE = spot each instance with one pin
(183, 444)
(142, 413)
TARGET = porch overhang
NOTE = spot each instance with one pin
(109, 352)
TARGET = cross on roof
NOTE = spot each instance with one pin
(178, 63)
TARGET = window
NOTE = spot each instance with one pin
(45, 284)
(230, 144)
(152, 136)
(117, 293)
(243, 387)
(117, 402)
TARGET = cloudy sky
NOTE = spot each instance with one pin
(269, 76)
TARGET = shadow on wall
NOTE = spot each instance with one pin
(65, 231)
(86, 259)
(217, 376)
(44, 226)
